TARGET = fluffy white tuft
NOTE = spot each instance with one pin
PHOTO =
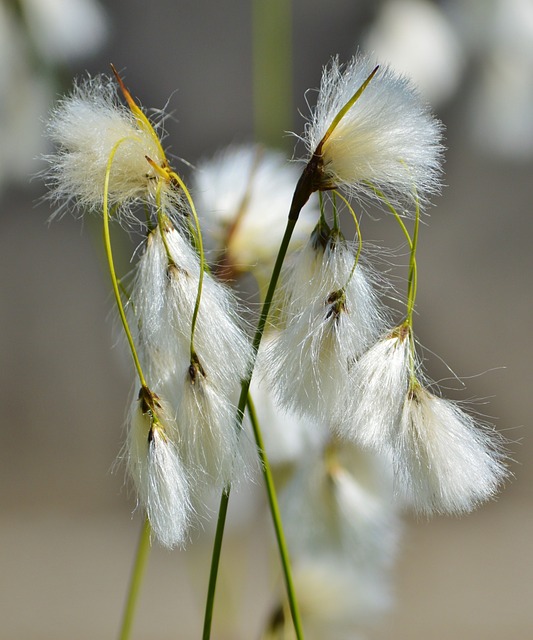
(329, 319)
(341, 500)
(158, 473)
(203, 395)
(379, 382)
(388, 139)
(335, 601)
(342, 531)
(446, 462)
(216, 451)
(86, 126)
(288, 437)
(243, 195)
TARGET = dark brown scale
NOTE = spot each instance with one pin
(337, 304)
(195, 368)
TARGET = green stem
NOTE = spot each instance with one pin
(143, 550)
(412, 278)
(245, 387)
(200, 249)
(412, 281)
(111, 263)
(276, 519)
(215, 561)
(359, 236)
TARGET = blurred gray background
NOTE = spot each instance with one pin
(67, 535)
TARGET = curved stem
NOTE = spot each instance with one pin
(359, 236)
(137, 574)
(200, 249)
(276, 519)
(413, 273)
(412, 278)
(111, 264)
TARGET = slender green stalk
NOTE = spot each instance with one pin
(412, 241)
(276, 519)
(144, 541)
(215, 561)
(359, 236)
(413, 273)
(111, 264)
(243, 399)
(412, 278)
(200, 249)
(137, 574)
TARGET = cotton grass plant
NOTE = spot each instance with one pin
(335, 359)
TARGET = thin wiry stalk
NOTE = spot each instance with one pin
(276, 519)
(137, 574)
(215, 561)
(291, 223)
(111, 264)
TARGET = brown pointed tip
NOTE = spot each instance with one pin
(371, 75)
(116, 74)
(125, 92)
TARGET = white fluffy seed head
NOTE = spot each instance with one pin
(203, 394)
(342, 531)
(157, 471)
(340, 500)
(220, 341)
(445, 460)
(335, 601)
(328, 319)
(388, 139)
(87, 127)
(162, 304)
(288, 437)
(379, 381)
(243, 196)
(215, 450)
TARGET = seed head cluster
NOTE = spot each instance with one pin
(348, 412)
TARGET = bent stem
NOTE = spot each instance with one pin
(200, 249)
(137, 574)
(143, 547)
(412, 278)
(111, 264)
(243, 399)
(359, 236)
(276, 519)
